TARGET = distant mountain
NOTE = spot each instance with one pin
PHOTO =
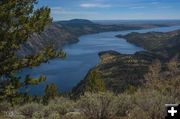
(139, 22)
(66, 32)
(164, 44)
(76, 21)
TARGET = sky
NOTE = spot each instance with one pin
(113, 9)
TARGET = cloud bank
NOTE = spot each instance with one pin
(93, 5)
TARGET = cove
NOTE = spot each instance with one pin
(81, 57)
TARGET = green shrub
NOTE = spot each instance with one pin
(5, 107)
(99, 106)
(125, 103)
(29, 109)
(138, 113)
(152, 104)
(54, 115)
(74, 115)
(60, 105)
(20, 117)
(38, 115)
(152, 99)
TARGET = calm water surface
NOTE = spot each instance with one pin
(81, 57)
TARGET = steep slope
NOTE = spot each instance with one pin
(53, 34)
(81, 27)
(165, 44)
(65, 32)
(119, 70)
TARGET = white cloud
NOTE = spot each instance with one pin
(92, 5)
(138, 7)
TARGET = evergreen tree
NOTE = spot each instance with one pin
(51, 92)
(19, 19)
(173, 66)
(9, 89)
(95, 83)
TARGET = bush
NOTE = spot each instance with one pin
(151, 104)
(150, 101)
(38, 115)
(99, 106)
(60, 105)
(125, 103)
(54, 115)
(138, 113)
(29, 109)
(20, 117)
(74, 115)
(5, 107)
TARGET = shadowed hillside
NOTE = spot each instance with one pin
(163, 44)
(66, 32)
(119, 71)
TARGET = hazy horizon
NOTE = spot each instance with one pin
(117, 19)
(113, 10)
(120, 19)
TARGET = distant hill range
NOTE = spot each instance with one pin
(66, 32)
(75, 21)
(165, 45)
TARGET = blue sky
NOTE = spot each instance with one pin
(113, 9)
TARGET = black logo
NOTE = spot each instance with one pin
(173, 111)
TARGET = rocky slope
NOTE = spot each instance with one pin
(65, 32)
(119, 71)
(163, 44)
(53, 34)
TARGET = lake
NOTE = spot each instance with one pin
(81, 57)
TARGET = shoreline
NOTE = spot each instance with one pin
(62, 34)
(69, 89)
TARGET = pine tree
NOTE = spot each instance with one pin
(19, 19)
(173, 65)
(51, 92)
(95, 83)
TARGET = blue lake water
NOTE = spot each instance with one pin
(81, 57)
